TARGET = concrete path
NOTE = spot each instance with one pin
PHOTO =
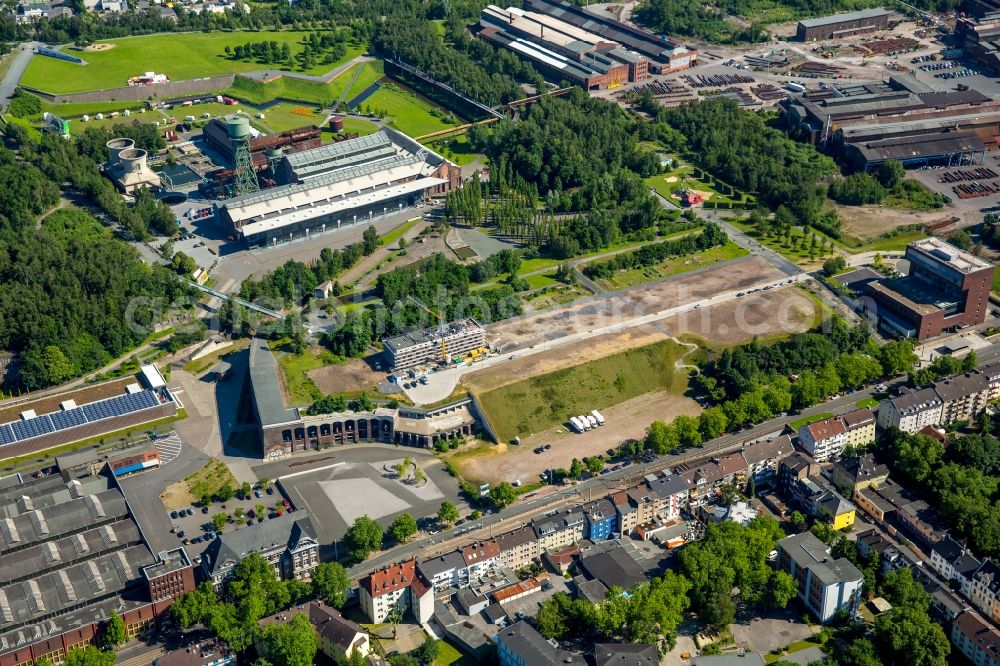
(13, 77)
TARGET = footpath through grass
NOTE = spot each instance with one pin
(178, 55)
(531, 405)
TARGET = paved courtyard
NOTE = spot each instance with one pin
(769, 633)
(340, 484)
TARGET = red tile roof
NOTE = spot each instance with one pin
(391, 578)
(505, 593)
(825, 429)
(479, 552)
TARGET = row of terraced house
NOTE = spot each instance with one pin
(658, 499)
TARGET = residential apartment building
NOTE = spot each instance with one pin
(984, 590)
(860, 427)
(963, 397)
(852, 474)
(442, 571)
(560, 529)
(826, 586)
(628, 511)
(881, 500)
(976, 639)
(762, 459)
(521, 645)
(835, 509)
(336, 636)
(519, 548)
(911, 410)
(824, 440)
(602, 520)
(396, 588)
(288, 543)
(703, 481)
(479, 558)
(953, 563)
(793, 469)
(671, 493)
(922, 521)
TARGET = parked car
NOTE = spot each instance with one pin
(173, 514)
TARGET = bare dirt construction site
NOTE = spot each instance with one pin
(354, 375)
(605, 310)
(765, 314)
(626, 420)
(869, 222)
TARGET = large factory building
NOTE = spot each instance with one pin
(338, 185)
(902, 120)
(562, 50)
(840, 26)
(664, 55)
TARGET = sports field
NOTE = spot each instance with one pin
(179, 56)
(406, 111)
(534, 404)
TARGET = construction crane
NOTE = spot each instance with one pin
(441, 327)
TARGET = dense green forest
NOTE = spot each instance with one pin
(743, 149)
(66, 290)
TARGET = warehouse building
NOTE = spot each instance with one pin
(73, 553)
(839, 26)
(337, 185)
(945, 289)
(39, 427)
(664, 55)
(980, 39)
(901, 120)
(562, 50)
(431, 346)
(283, 430)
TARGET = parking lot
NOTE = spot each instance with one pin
(193, 525)
(338, 485)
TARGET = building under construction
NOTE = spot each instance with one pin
(337, 185)
(562, 50)
(431, 346)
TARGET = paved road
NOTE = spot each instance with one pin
(143, 494)
(13, 77)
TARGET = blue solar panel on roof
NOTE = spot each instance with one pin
(68, 419)
(6, 435)
(46, 423)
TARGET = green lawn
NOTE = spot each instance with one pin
(996, 282)
(538, 263)
(541, 280)
(406, 111)
(448, 654)
(674, 266)
(359, 126)
(301, 389)
(391, 238)
(89, 108)
(178, 55)
(282, 117)
(682, 177)
(867, 403)
(531, 405)
(369, 73)
(806, 420)
(455, 148)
